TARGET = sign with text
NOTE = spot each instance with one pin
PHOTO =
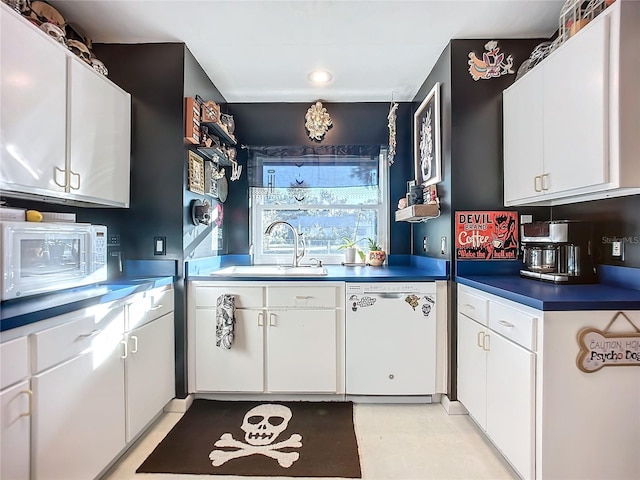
(601, 348)
(486, 235)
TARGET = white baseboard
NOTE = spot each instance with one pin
(179, 405)
(452, 408)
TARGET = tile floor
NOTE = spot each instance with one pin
(404, 442)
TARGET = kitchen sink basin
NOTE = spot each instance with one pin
(271, 271)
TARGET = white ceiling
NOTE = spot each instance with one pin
(263, 50)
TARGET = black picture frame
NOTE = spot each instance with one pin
(426, 128)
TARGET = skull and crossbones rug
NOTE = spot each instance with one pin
(283, 439)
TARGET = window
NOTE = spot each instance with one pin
(325, 193)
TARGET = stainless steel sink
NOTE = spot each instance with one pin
(271, 271)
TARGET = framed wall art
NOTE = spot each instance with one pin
(196, 173)
(426, 130)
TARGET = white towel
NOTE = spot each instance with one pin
(225, 320)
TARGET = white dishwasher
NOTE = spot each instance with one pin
(390, 338)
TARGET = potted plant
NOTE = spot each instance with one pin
(376, 255)
(350, 248)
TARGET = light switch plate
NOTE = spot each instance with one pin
(159, 245)
(616, 249)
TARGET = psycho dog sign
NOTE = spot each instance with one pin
(599, 348)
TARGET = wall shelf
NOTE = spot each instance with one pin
(214, 154)
(418, 213)
(221, 132)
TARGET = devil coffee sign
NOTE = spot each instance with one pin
(486, 235)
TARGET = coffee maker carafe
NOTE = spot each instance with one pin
(558, 251)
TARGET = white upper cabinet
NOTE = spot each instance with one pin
(570, 124)
(100, 137)
(66, 129)
(33, 94)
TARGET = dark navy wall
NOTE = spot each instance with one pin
(614, 218)
(471, 153)
(283, 124)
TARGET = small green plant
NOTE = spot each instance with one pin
(373, 245)
(349, 243)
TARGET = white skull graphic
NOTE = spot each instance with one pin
(263, 424)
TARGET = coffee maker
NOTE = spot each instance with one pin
(558, 251)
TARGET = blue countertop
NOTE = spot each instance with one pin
(401, 268)
(23, 311)
(619, 289)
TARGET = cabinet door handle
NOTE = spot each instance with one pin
(545, 182)
(126, 349)
(486, 343)
(156, 307)
(135, 343)
(260, 319)
(535, 183)
(29, 393)
(93, 333)
(469, 306)
(506, 324)
(57, 170)
(481, 339)
(77, 175)
(272, 319)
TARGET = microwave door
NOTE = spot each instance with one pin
(44, 260)
(47, 257)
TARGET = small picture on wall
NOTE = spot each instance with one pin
(196, 173)
(486, 235)
(426, 131)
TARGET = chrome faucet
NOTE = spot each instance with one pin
(296, 236)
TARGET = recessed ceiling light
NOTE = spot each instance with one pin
(320, 77)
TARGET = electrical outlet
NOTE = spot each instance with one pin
(113, 240)
(616, 249)
(425, 244)
(159, 245)
(443, 245)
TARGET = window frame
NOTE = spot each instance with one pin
(255, 215)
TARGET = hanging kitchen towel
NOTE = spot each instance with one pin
(225, 320)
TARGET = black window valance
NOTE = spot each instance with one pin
(319, 166)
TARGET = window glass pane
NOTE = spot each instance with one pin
(317, 196)
(323, 229)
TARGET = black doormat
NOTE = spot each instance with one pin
(290, 439)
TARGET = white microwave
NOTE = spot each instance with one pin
(46, 257)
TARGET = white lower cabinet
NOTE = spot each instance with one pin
(472, 369)
(77, 390)
(149, 372)
(78, 425)
(518, 377)
(302, 351)
(149, 363)
(286, 339)
(511, 401)
(15, 413)
(496, 376)
(78, 395)
(15, 424)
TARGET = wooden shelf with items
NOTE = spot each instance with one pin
(210, 132)
(214, 154)
(221, 132)
(418, 213)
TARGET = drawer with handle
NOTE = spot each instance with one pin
(55, 345)
(473, 306)
(513, 324)
(301, 297)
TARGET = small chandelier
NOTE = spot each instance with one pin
(318, 121)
